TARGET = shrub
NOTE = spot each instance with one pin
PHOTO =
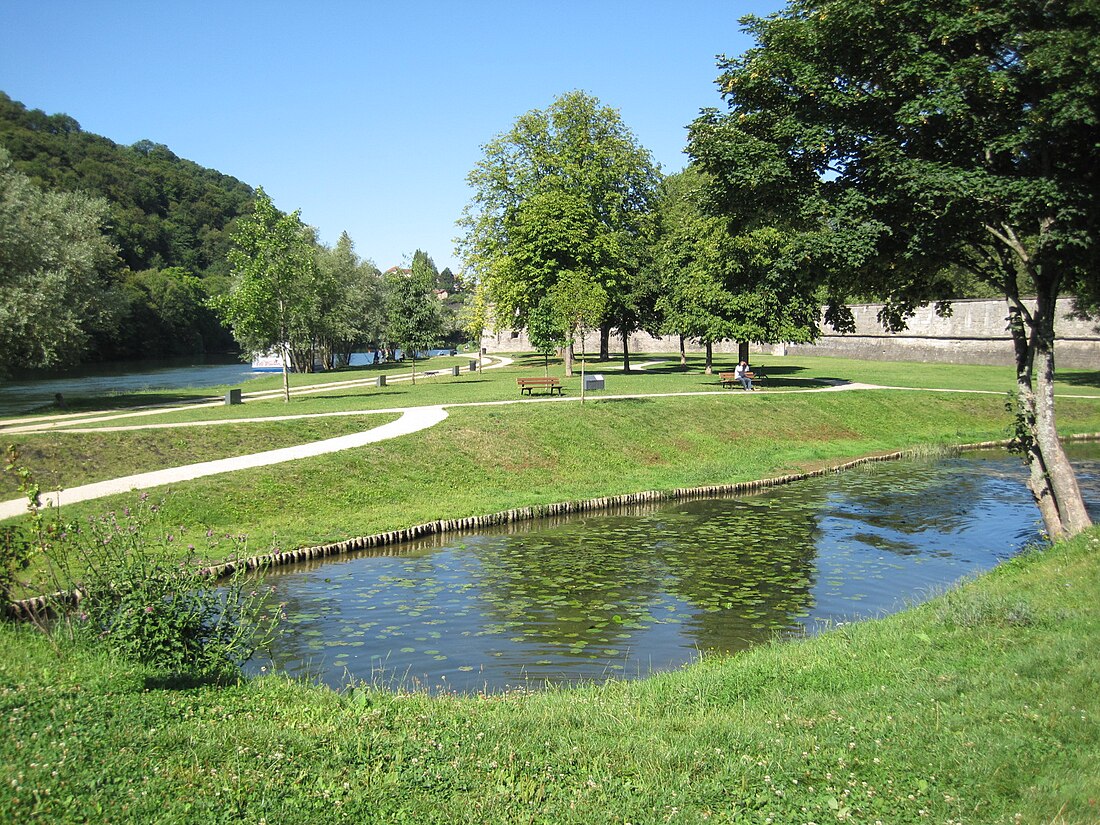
(126, 582)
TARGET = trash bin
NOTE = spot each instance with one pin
(455, 370)
(473, 365)
(593, 382)
(381, 382)
(233, 397)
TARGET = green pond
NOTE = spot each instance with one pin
(625, 593)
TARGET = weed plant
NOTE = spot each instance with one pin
(117, 582)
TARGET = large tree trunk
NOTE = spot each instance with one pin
(569, 360)
(605, 342)
(1063, 480)
(626, 351)
(683, 353)
(709, 370)
(1051, 479)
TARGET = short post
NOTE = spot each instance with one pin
(473, 365)
(233, 397)
(456, 370)
(381, 382)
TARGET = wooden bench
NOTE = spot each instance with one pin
(730, 379)
(549, 383)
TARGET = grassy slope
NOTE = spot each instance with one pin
(979, 707)
(485, 459)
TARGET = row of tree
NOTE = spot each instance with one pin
(315, 306)
(111, 252)
(903, 151)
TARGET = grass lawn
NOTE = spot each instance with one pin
(979, 706)
(483, 459)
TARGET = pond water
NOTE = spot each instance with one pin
(649, 588)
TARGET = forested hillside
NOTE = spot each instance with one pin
(170, 219)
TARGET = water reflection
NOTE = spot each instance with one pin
(648, 587)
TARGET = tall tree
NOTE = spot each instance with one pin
(906, 137)
(413, 319)
(474, 318)
(350, 312)
(272, 301)
(566, 189)
(577, 303)
(55, 268)
(720, 286)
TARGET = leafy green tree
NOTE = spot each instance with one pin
(907, 138)
(350, 311)
(566, 189)
(56, 290)
(577, 303)
(413, 319)
(545, 330)
(719, 286)
(474, 317)
(273, 297)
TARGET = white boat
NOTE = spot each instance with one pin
(267, 362)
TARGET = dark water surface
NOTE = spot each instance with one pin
(648, 588)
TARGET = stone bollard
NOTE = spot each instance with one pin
(233, 397)
(455, 370)
(473, 365)
(381, 382)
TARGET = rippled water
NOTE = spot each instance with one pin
(646, 589)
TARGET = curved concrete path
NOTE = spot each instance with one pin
(416, 418)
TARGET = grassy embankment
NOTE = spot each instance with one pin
(977, 707)
(484, 459)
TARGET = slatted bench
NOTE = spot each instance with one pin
(730, 379)
(550, 383)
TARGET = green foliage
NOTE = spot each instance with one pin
(157, 213)
(906, 142)
(349, 312)
(565, 189)
(897, 143)
(273, 303)
(20, 543)
(142, 604)
(413, 318)
(164, 211)
(55, 263)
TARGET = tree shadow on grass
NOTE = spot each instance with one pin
(1079, 378)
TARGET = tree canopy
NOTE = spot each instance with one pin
(566, 189)
(272, 305)
(898, 140)
(413, 317)
(55, 262)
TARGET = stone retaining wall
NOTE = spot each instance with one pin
(975, 333)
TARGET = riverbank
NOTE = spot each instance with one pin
(977, 707)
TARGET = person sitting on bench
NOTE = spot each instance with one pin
(742, 374)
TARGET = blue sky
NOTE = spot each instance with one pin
(366, 116)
